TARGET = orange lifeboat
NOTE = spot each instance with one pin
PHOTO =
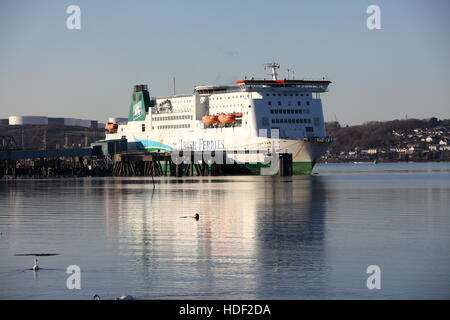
(207, 119)
(111, 126)
(238, 115)
(227, 118)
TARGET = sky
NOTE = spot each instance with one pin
(401, 70)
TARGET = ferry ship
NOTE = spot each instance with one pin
(241, 118)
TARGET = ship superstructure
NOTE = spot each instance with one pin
(240, 118)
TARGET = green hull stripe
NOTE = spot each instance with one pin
(302, 168)
(298, 168)
(157, 149)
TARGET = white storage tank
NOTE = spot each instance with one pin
(117, 120)
(77, 122)
(27, 120)
(70, 122)
(85, 123)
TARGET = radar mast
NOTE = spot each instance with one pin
(274, 66)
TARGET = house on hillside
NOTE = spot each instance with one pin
(433, 147)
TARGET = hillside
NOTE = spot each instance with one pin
(384, 135)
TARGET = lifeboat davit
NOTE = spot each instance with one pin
(207, 119)
(111, 126)
(227, 118)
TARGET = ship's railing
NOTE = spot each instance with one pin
(307, 87)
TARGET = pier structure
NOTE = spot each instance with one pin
(92, 162)
(162, 164)
(52, 163)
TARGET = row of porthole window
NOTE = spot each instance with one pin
(290, 94)
(299, 103)
(180, 117)
(175, 126)
(229, 97)
(175, 101)
(289, 111)
(228, 106)
(291, 120)
(307, 129)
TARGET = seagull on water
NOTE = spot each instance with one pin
(35, 267)
(127, 297)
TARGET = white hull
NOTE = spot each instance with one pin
(228, 140)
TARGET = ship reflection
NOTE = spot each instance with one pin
(290, 238)
(257, 237)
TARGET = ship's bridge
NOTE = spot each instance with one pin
(303, 85)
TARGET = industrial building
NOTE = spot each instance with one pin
(42, 120)
(27, 120)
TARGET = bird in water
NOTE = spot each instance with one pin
(196, 217)
(36, 267)
(127, 297)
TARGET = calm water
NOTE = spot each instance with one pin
(257, 237)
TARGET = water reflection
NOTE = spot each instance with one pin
(197, 257)
(291, 230)
(257, 237)
(252, 233)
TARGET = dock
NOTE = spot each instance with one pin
(115, 162)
